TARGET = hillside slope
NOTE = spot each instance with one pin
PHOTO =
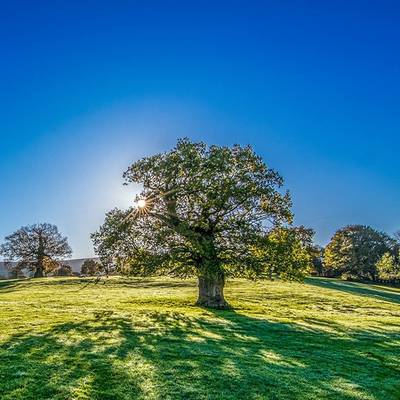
(144, 339)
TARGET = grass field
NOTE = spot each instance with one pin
(65, 338)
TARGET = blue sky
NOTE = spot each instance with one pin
(87, 87)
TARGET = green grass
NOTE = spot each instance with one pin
(144, 339)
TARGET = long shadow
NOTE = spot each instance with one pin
(9, 285)
(220, 355)
(149, 284)
(14, 284)
(360, 289)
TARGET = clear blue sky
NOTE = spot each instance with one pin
(87, 87)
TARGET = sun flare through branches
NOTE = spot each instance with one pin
(141, 203)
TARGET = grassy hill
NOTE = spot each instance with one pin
(144, 339)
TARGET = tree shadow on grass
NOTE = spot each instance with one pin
(360, 289)
(12, 285)
(7, 283)
(218, 355)
(81, 283)
(156, 284)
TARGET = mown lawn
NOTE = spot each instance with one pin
(144, 339)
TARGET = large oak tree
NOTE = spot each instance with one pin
(33, 246)
(203, 211)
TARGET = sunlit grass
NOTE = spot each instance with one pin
(145, 339)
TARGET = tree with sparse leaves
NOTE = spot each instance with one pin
(33, 247)
(354, 252)
(203, 211)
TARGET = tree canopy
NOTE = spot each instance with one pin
(355, 250)
(91, 267)
(388, 267)
(203, 211)
(285, 254)
(34, 246)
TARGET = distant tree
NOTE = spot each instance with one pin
(306, 237)
(317, 258)
(354, 252)
(91, 267)
(63, 270)
(50, 265)
(32, 246)
(396, 247)
(285, 254)
(397, 236)
(15, 271)
(203, 211)
(388, 269)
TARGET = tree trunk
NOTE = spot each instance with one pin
(211, 293)
(39, 271)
